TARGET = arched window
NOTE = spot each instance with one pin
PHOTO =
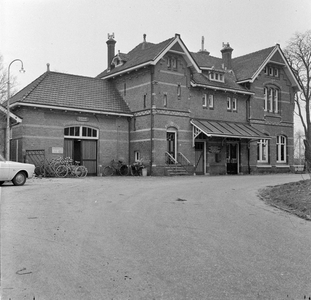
(80, 132)
(262, 151)
(281, 149)
(271, 102)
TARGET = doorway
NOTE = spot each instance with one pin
(232, 158)
(84, 151)
(171, 145)
(199, 158)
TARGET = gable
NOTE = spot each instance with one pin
(176, 47)
(276, 57)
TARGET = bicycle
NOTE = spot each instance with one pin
(116, 168)
(136, 168)
(68, 168)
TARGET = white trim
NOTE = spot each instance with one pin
(221, 89)
(13, 116)
(96, 112)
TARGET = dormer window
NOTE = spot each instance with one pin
(271, 71)
(216, 76)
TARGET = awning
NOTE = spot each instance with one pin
(226, 129)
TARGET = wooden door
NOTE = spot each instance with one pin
(232, 158)
(89, 156)
(199, 158)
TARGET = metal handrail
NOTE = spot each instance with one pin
(184, 158)
(170, 158)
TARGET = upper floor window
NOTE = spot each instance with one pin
(281, 149)
(165, 100)
(271, 102)
(145, 101)
(204, 101)
(262, 151)
(232, 104)
(216, 76)
(171, 62)
(271, 71)
(208, 101)
(178, 90)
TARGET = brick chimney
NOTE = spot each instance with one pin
(226, 55)
(111, 49)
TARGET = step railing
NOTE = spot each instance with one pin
(183, 160)
(169, 159)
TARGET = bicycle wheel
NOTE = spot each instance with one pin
(80, 171)
(124, 170)
(108, 171)
(61, 171)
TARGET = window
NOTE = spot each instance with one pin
(145, 101)
(80, 132)
(216, 76)
(228, 103)
(174, 62)
(137, 156)
(262, 151)
(234, 104)
(211, 101)
(281, 149)
(204, 101)
(178, 90)
(271, 71)
(169, 61)
(165, 100)
(271, 99)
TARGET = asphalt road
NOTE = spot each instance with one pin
(151, 238)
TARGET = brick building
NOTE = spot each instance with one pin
(168, 106)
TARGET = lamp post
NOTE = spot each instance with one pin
(8, 109)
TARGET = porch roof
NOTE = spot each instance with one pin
(226, 129)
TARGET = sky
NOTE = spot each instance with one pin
(71, 35)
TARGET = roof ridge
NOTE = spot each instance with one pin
(255, 52)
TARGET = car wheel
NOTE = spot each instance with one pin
(19, 179)
(1, 182)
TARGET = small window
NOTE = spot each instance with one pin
(276, 101)
(221, 77)
(265, 91)
(212, 76)
(204, 101)
(265, 70)
(179, 90)
(174, 62)
(270, 71)
(211, 101)
(145, 101)
(165, 100)
(276, 72)
(137, 156)
(234, 104)
(228, 103)
(270, 100)
(169, 62)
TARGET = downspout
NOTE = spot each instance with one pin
(129, 140)
(248, 110)
(151, 119)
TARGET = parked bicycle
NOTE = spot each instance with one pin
(136, 168)
(68, 168)
(116, 168)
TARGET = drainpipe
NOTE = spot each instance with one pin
(129, 139)
(152, 108)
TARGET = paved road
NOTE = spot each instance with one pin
(151, 238)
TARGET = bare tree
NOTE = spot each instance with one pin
(4, 82)
(298, 54)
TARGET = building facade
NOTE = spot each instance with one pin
(169, 107)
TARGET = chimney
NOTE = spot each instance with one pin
(226, 55)
(144, 41)
(111, 49)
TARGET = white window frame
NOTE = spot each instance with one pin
(263, 148)
(228, 103)
(270, 100)
(210, 101)
(216, 76)
(79, 132)
(266, 99)
(137, 156)
(281, 145)
(204, 101)
(234, 104)
(165, 100)
(276, 100)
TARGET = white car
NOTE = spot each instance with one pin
(15, 171)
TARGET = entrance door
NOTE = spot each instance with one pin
(84, 151)
(171, 145)
(232, 158)
(199, 158)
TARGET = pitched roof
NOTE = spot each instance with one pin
(246, 66)
(142, 53)
(72, 92)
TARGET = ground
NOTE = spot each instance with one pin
(294, 197)
(141, 238)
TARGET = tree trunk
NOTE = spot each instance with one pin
(307, 143)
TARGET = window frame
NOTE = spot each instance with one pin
(281, 149)
(78, 132)
(165, 99)
(229, 107)
(263, 151)
(210, 101)
(234, 104)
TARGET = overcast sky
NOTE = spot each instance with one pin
(71, 35)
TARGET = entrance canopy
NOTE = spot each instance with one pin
(226, 129)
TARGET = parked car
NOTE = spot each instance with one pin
(15, 171)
